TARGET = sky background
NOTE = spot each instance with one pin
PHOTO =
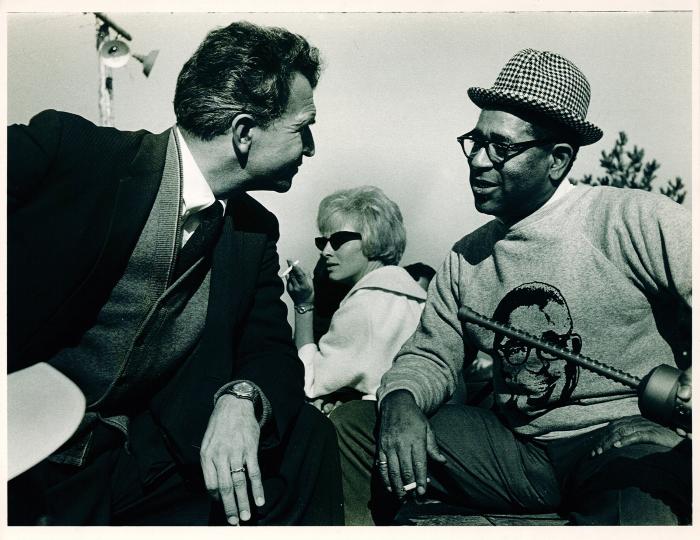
(391, 99)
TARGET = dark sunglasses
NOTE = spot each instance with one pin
(336, 239)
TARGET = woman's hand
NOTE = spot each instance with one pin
(300, 285)
(326, 407)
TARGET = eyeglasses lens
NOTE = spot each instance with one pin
(336, 239)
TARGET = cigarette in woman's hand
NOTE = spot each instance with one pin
(289, 269)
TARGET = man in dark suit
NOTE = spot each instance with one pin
(139, 267)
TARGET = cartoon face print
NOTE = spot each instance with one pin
(532, 375)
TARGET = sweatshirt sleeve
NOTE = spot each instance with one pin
(358, 348)
(654, 237)
(431, 360)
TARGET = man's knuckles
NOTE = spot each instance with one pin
(239, 483)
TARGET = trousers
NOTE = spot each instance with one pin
(491, 469)
(301, 480)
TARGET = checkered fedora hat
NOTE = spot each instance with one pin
(546, 83)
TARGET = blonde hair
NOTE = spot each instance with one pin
(373, 214)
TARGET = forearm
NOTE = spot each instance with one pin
(430, 361)
(265, 353)
(398, 398)
(303, 328)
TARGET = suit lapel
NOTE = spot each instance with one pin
(129, 211)
(132, 206)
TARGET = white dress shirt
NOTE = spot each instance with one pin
(196, 193)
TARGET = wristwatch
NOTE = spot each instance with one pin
(303, 308)
(245, 390)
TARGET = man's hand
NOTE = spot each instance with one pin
(229, 457)
(405, 442)
(685, 393)
(634, 430)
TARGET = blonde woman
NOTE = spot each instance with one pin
(361, 243)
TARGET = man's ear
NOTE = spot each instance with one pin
(575, 343)
(562, 154)
(241, 137)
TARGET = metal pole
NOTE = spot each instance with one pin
(466, 314)
(105, 88)
(109, 23)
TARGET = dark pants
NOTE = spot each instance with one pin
(490, 469)
(301, 479)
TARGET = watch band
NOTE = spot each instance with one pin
(303, 308)
(245, 390)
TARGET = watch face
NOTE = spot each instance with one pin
(243, 389)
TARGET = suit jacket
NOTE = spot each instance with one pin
(78, 198)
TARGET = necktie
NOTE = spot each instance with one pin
(203, 239)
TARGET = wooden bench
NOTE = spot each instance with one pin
(436, 513)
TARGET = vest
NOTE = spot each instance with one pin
(145, 330)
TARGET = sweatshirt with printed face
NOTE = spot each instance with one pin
(604, 272)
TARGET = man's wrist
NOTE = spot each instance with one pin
(243, 404)
(400, 396)
(243, 391)
(303, 307)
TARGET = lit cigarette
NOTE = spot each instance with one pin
(286, 272)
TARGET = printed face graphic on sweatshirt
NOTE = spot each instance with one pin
(535, 377)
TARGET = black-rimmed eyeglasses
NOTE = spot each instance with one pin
(497, 152)
(336, 239)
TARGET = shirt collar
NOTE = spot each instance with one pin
(562, 190)
(564, 187)
(196, 193)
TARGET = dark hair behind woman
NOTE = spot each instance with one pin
(420, 270)
(327, 298)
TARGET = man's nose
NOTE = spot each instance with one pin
(481, 159)
(327, 249)
(307, 139)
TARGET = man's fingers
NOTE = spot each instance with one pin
(406, 462)
(685, 390)
(432, 447)
(210, 478)
(228, 498)
(608, 442)
(681, 432)
(383, 468)
(633, 438)
(240, 487)
(420, 469)
(395, 474)
(635, 431)
(255, 478)
(613, 433)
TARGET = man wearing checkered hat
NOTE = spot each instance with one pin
(599, 271)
